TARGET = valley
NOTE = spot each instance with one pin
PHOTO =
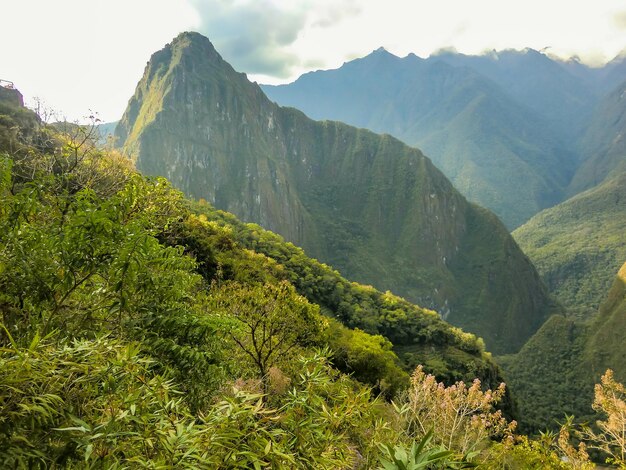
(400, 262)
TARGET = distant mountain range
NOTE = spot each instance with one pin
(374, 208)
(603, 144)
(578, 244)
(504, 127)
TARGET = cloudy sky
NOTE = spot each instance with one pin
(80, 56)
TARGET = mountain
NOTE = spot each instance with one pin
(602, 80)
(540, 82)
(132, 316)
(479, 128)
(578, 244)
(369, 205)
(554, 373)
(603, 145)
(605, 347)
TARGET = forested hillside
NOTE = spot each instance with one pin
(555, 371)
(579, 244)
(373, 208)
(128, 313)
(140, 329)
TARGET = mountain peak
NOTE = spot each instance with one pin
(190, 48)
(382, 52)
(216, 136)
(191, 37)
(195, 42)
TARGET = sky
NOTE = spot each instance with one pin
(80, 57)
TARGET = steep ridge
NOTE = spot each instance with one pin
(494, 148)
(603, 145)
(228, 250)
(578, 244)
(605, 348)
(554, 373)
(377, 210)
(602, 80)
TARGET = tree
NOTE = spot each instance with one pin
(272, 321)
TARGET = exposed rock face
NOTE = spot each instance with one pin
(11, 96)
(374, 208)
(483, 121)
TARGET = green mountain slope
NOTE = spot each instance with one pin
(554, 373)
(605, 347)
(494, 148)
(137, 330)
(603, 145)
(215, 244)
(578, 244)
(377, 210)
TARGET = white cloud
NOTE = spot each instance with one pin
(255, 35)
(82, 54)
(79, 55)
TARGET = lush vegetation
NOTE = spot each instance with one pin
(375, 209)
(578, 245)
(554, 374)
(419, 334)
(137, 331)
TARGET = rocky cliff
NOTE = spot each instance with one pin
(374, 208)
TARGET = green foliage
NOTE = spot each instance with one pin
(523, 453)
(98, 403)
(91, 401)
(372, 207)
(578, 245)
(549, 376)
(272, 322)
(368, 358)
(419, 334)
(554, 373)
(331, 418)
(419, 456)
(79, 255)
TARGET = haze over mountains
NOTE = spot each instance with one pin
(578, 244)
(505, 127)
(602, 146)
(374, 208)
